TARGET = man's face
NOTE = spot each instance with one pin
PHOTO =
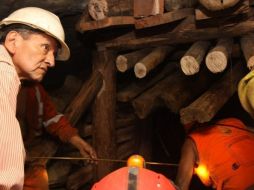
(33, 56)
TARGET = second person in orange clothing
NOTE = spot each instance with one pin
(221, 154)
(37, 116)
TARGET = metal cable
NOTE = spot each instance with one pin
(100, 160)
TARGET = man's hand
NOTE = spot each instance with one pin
(83, 147)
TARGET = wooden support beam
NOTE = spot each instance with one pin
(191, 61)
(104, 109)
(184, 89)
(124, 62)
(188, 34)
(83, 25)
(163, 18)
(84, 98)
(247, 45)
(136, 88)
(149, 62)
(207, 105)
(217, 58)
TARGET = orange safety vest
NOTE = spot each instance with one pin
(40, 114)
(227, 150)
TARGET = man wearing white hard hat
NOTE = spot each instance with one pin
(31, 39)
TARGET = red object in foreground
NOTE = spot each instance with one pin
(134, 178)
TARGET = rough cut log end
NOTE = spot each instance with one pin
(189, 65)
(216, 61)
(98, 9)
(140, 70)
(216, 5)
(121, 63)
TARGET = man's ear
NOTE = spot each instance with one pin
(11, 41)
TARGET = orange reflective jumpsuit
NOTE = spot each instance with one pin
(37, 115)
(227, 150)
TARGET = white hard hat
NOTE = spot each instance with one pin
(43, 20)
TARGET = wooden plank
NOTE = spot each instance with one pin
(83, 26)
(202, 14)
(163, 18)
(191, 34)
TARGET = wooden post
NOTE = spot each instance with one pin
(149, 62)
(190, 62)
(216, 5)
(207, 105)
(247, 45)
(217, 58)
(104, 112)
(127, 61)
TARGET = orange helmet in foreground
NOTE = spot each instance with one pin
(134, 178)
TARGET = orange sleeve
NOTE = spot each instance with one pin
(62, 127)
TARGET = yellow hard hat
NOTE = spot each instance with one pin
(246, 93)
(43, 20)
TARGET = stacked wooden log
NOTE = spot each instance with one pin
(208, 104)
(170, 88)
(216, 59)
(190, 62)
